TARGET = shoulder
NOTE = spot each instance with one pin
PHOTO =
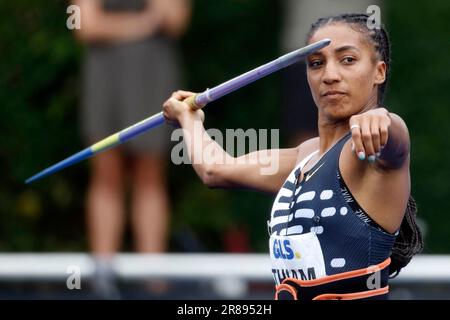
(306, 148)
(401, 124)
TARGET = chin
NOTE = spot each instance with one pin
(337, 111)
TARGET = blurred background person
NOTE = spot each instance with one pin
(299, 121)
(130, 65)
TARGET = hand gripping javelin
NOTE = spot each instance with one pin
(197, 101)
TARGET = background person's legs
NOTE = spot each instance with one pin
(150, 204)
(105, 219)
(105, 203)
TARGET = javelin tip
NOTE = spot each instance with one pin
(84, 154)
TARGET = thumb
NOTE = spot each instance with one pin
(182, 95)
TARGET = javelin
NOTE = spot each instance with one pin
(197, 101)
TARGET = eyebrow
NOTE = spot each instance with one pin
(345, 48)
(340, 49)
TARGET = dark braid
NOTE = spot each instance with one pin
(409, 240)
(378, 38)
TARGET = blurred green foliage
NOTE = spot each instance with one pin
(420, 36)
(39, 94)
(39, 90)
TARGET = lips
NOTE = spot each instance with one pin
(333, 93)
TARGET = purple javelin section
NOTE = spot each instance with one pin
(227, 87)
(144, 126)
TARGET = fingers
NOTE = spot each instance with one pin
(375, 133)
(181, 94)
(369, 134)
(357, 144)
(170, 111)
(174, 108)
(384, 127)
(169, 119)
(366, 139)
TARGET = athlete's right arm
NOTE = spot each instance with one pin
(263, 170)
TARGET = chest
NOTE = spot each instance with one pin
(309, 202)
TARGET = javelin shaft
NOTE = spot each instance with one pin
(210, 95)
(103, 145)
(196, 102)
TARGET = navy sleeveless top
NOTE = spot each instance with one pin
(318, 229)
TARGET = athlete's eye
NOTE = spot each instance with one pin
(315, 63)
(348, 60)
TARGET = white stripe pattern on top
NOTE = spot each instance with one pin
(285, 192)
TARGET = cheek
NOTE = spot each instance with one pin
(362, 81)
(313, 82)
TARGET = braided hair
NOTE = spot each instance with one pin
(409, 239)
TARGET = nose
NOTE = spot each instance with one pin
(331, 73)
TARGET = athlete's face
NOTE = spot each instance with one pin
(344, 76)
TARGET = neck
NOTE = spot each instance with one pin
(330, 131)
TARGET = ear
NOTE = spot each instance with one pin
(380, 73)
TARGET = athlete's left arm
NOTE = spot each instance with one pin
(381, 137)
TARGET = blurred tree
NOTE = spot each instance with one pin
(39, 89)
(420, 33)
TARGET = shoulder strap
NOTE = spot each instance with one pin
(306, 160)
